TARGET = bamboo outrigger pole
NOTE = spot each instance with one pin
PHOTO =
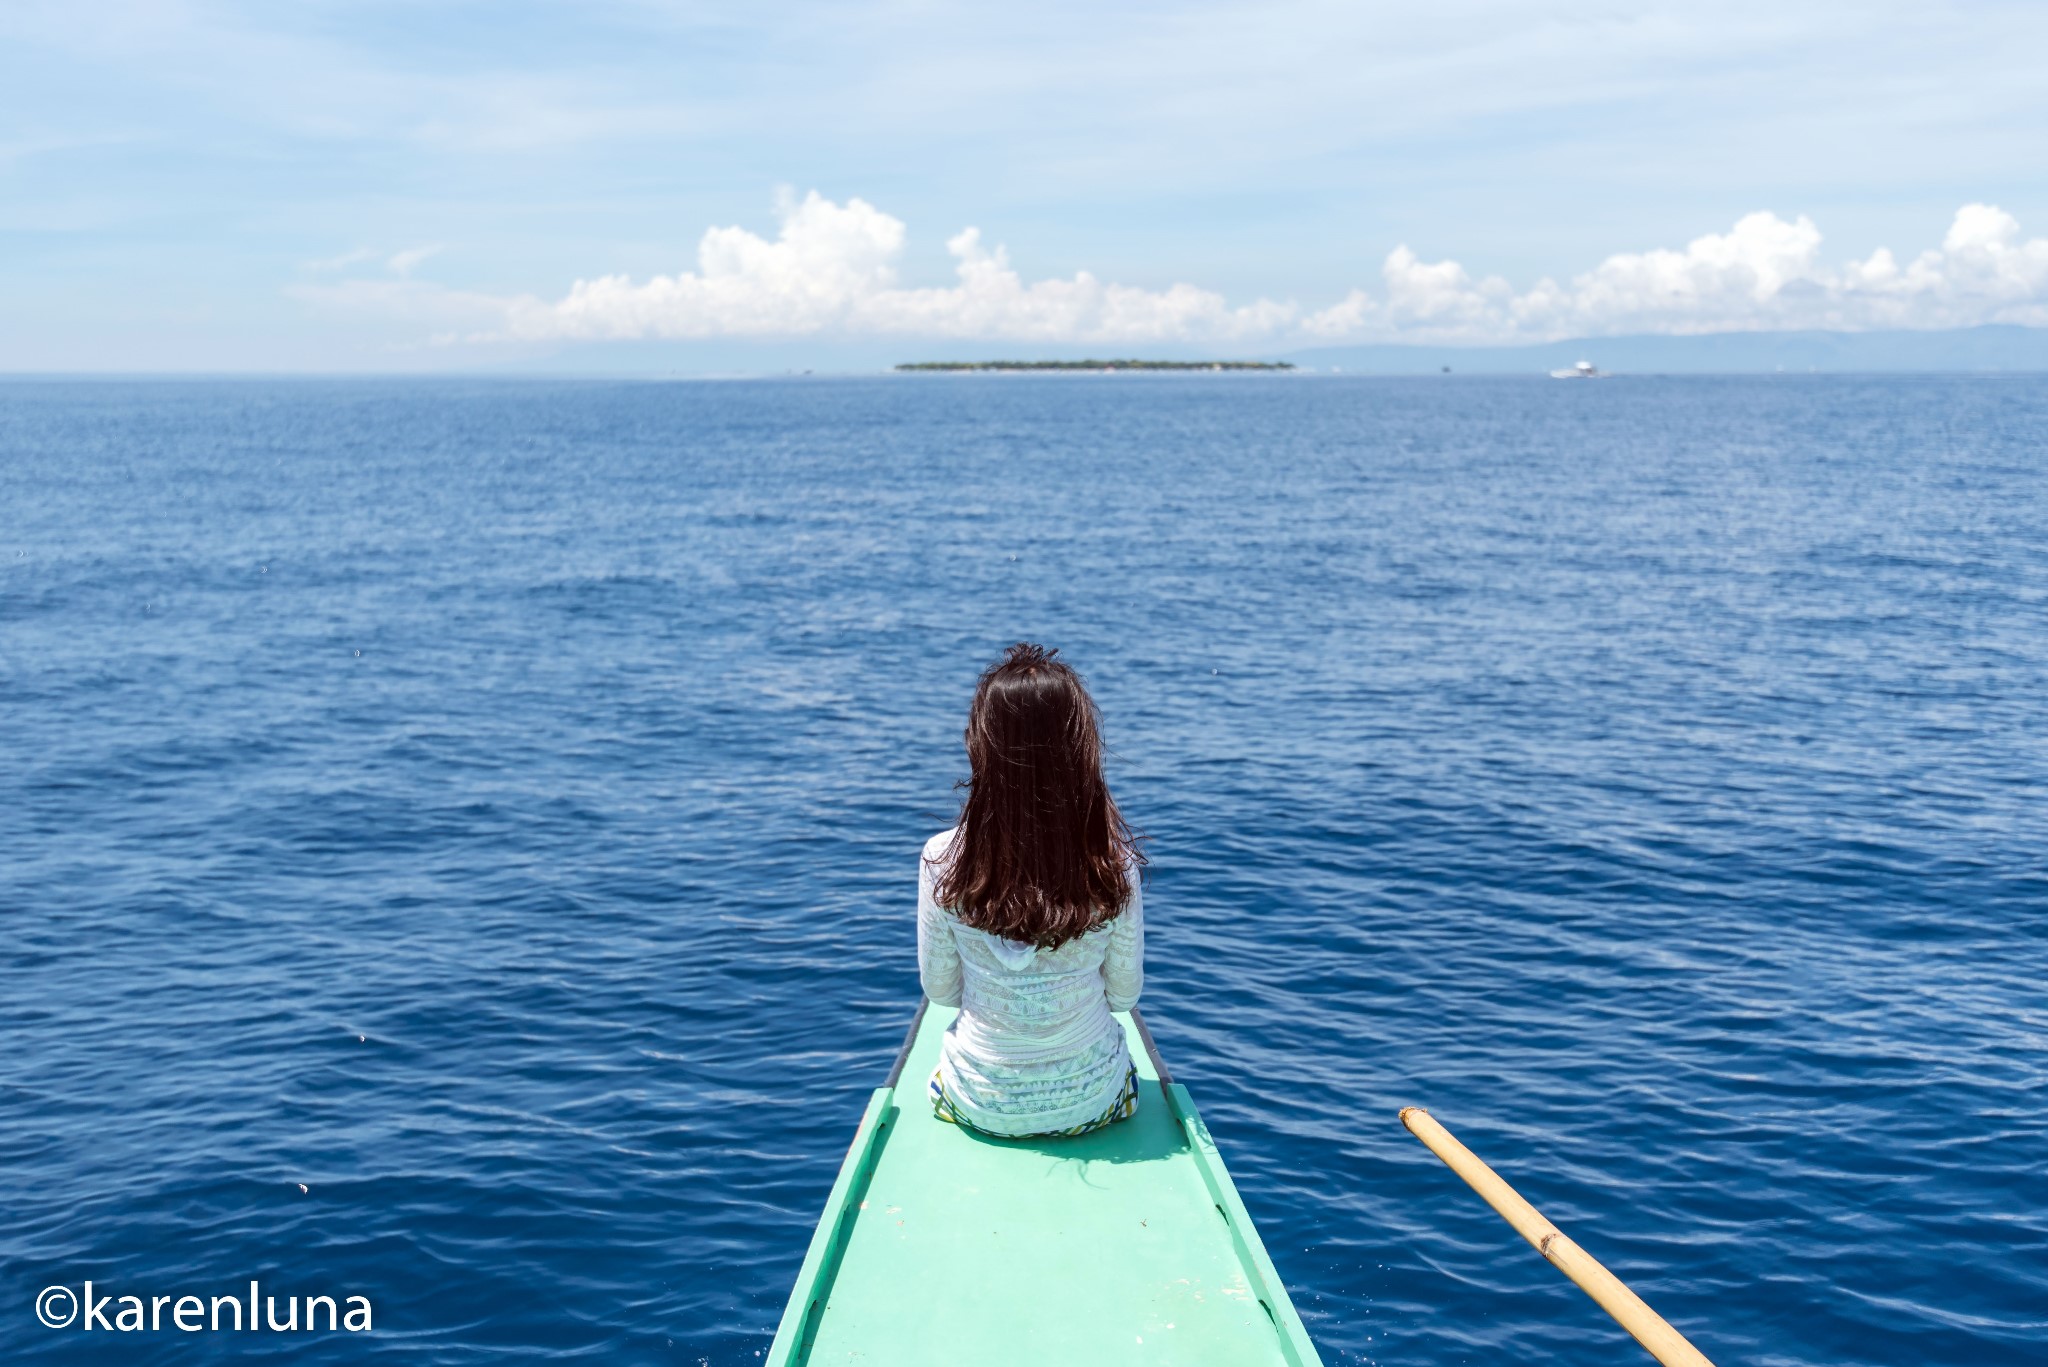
(1664, 1343)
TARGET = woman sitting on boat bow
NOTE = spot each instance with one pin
(1030, 918)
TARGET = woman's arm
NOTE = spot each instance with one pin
(1123, 966)
(938, 957)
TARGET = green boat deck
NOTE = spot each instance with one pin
(1129, 1245)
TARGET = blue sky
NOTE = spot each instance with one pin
(371, 186)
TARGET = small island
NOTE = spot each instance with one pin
(1095, 365)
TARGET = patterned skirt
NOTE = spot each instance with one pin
(1123, 1108)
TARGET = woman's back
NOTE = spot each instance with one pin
(1035, 1048)
(1029, 917)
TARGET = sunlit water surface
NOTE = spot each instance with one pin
(493, 806)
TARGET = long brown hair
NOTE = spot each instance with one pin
(1041, 854)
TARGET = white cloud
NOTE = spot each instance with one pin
(1764, 274)
(832, 269)
(398, 263)
(403, 263)
(341, 261)
(449, 313)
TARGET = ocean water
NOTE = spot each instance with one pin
(457, 840)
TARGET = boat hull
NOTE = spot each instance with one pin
(1129, 1245)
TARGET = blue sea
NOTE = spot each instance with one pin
(458, 837)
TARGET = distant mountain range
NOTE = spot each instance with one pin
(1997, 348)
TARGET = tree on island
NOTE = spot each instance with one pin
(1095, 365)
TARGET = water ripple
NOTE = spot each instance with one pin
(490, 807)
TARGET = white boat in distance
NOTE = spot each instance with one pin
(1584, 370)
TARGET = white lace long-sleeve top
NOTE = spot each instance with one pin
(1034, 1047)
